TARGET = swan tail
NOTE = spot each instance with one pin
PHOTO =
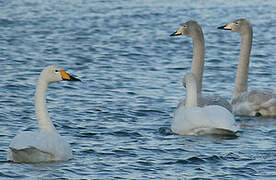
(270, 103)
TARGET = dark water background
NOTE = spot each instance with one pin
(118, 119)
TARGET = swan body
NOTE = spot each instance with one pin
(255, 103)
(244, 102)
(45, 145)
(192, 29)
(189, 119)
(210, 100)
(202, 120)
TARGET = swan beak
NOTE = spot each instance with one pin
(225, 27)
(67, 77)
(176, 33)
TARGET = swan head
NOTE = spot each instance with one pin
(189, 79)
(53, 74)
(241, 26)
(187, 29)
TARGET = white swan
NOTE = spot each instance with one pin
(45, 145)
(193, 120)
(192, 29)
(248, 103)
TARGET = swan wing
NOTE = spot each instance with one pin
(41, 146)
(220, 118)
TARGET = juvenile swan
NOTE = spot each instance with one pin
(45, 145)
(193, 120)
(193, 30)
(248, 103)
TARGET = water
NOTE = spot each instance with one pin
(117, 119)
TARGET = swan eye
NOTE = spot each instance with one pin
(56, 70)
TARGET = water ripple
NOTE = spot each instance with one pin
(118, 118)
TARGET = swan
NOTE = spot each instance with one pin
(192, 29)
(193, 120)
(45, 145)
(255, 102)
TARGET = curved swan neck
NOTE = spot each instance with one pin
(242, 72)
(198, 57)
(41, 111)
(191, 94)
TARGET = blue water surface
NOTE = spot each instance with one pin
(118, 118)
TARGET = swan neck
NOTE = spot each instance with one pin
(191, 95)
(198, 58)
(41, 110)
(242, 72)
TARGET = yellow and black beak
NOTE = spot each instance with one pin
(179, 32)
(225, 27)
(176, 33)
(67, 77)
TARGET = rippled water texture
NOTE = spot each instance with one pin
(117, 119)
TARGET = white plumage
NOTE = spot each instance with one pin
(45, 145)
(189, 119)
